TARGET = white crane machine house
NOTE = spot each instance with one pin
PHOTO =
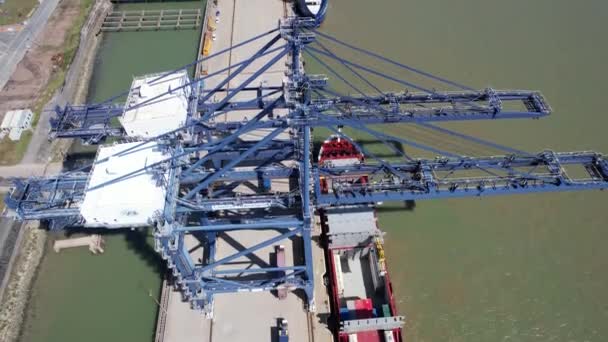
(136, 198)
(156, 105)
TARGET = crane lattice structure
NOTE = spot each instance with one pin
(205, 158)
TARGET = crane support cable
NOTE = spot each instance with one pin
(351, 69)
(388, 60)
(474, 139)
(194, 122)
(363, 128)
(371, 71)
(196, 62)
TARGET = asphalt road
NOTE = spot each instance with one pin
(5, 39)
(12, 52)
(29, 170)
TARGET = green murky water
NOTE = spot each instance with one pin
(520, 268)
(108, 297)
(111, 297)
(124, 55)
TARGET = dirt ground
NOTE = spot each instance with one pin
(46, 55)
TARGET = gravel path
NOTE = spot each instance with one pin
(8, 237)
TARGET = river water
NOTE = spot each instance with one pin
(519, 268)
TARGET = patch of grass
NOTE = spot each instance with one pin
(16, 11)
(11, 152)
(54, 84)
(73, 36)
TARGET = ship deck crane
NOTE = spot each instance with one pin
(199, 174)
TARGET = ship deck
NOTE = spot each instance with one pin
(357, 274)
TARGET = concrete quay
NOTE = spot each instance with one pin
(247, 316)
(239, 21)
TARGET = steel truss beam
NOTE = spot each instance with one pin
(264, 172)
(94, 122)
(218, 225)
(202, 174)
(199, 281)
(47, 198)
(219, 173)
(464, 177)
(244, 202)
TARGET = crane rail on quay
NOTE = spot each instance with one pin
(199, 158)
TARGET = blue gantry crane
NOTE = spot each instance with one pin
(206, 159)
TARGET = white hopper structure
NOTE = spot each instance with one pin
(134, 200)
(157, 106)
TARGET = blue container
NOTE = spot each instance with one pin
(345, 314)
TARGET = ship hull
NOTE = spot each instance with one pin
(359, 281)
(312, 8)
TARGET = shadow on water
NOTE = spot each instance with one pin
(365, 143)
(137, 241)
(80, 159)
(409, 205)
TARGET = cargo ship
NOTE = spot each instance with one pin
(362, 299)
(312, 8)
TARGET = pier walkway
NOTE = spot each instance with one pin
(95, 243)
(148, 20)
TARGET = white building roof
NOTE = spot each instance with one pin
(161, 115)
(15, 118)
(130, 202)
